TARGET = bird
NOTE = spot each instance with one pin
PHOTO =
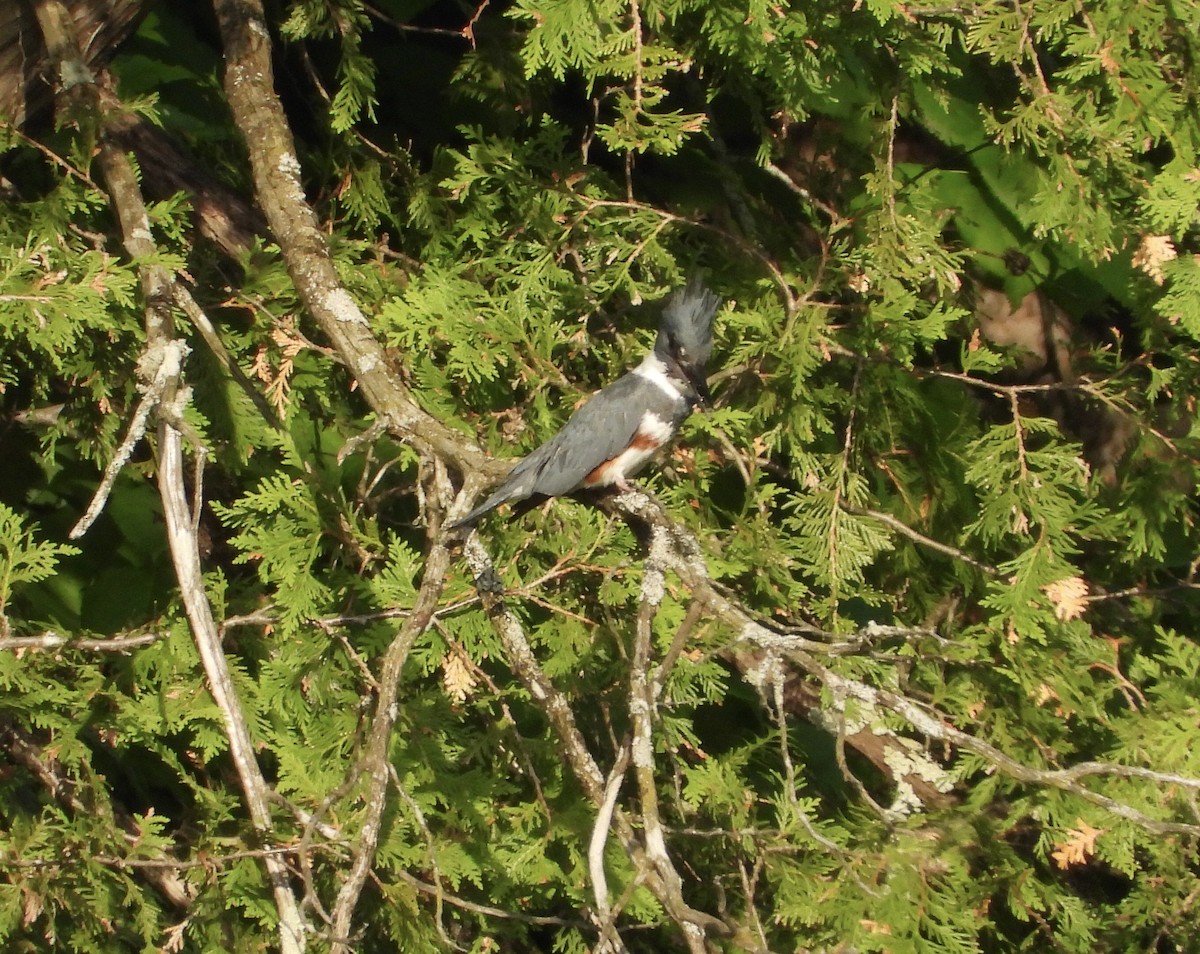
(614, 434)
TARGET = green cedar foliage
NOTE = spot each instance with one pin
(1010, 548)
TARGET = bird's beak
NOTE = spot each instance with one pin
(699, 382)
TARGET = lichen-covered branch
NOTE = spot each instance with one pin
(162, 364)
(376, 763)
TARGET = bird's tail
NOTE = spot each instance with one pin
(495, 500)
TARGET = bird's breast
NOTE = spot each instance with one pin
(653, 431)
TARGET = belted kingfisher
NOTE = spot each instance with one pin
(620, 428)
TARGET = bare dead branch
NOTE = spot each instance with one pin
(158, 370)
(562, 719)
(376, 762)
(162, 364)
(276, 172)
(686, 560)
(52, 640)
(641, 713)
(605, 915)
(185, 554)
(933, 725)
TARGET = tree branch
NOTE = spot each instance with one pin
(52, 640)
(562, 719)
(162, 363)
(686, 560)
(376, 762)
(605, 914)
(641, 713)
(280, 191)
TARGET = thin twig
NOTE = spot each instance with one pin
(52, 640)
(158, 369)
(682, 635)
(605, 916)
(900, 527)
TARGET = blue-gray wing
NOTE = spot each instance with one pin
(599, 431)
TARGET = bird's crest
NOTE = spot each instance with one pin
(686, 328)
